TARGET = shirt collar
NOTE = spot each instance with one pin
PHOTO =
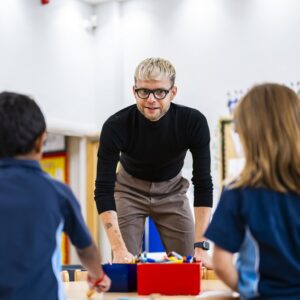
(10, 162)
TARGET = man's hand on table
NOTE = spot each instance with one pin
(122, 256)
(203, 256)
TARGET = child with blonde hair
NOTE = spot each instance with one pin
(258, 214)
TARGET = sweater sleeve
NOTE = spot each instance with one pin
(108, 157)
(74, 225)
(228, 228)
(200, 149)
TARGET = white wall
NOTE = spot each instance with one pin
(77, 178)
(46, 52)
(108, 62)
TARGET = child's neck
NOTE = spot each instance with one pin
(30, 156)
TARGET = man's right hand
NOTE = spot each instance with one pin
(122, 256)
(120, 252)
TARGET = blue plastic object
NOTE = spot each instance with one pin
(123, 277)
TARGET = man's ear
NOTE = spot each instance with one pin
(133, 91)
(173, 92)
(39, 143)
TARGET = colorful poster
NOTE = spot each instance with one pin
(55, 164)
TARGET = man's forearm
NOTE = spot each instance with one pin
(110, 222)
(202, 219)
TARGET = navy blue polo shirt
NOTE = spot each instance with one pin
(264, 227)
(34, 211)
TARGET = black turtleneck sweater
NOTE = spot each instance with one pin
(153, 151)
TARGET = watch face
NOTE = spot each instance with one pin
(206, 245)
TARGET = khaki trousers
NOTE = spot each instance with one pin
(165, 202)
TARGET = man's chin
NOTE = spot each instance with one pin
(153, 118)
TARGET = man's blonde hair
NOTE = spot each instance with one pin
(155, 68)
(267, 120)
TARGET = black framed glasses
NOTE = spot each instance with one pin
(159, 94)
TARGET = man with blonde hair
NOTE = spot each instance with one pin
(150, 139)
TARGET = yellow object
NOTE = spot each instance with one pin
(211, 275)
(56, 166)
(172, 258)
(177, 261)
(90, 293)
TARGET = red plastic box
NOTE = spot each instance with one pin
(169, 278)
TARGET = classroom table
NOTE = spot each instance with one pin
(210, 290)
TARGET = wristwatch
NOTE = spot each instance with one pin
(203, 245)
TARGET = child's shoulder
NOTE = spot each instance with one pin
(258, 196)
(239, 193)
(58, 186)
(232, 189)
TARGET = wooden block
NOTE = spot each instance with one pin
(211, 275)
(80, 275)
(65, 276)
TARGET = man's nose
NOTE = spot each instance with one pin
(151, 98)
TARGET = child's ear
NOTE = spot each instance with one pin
(39, 143)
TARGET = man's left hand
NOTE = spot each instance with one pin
(203, 256)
